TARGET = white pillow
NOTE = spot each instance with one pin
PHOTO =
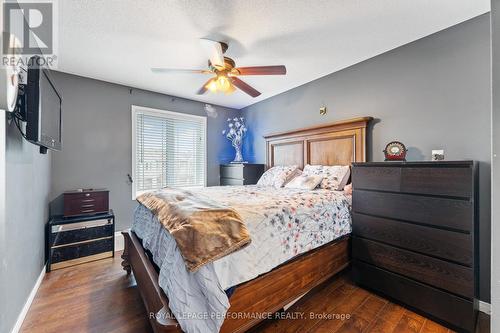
(344, 181)
(304, 182)
(278, 176)
(335, 177)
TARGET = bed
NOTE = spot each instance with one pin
(338, 143)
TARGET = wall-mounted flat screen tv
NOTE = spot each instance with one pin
(43, 108)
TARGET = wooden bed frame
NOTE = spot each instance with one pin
(338, 143)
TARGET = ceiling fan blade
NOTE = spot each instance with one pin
(214, 52)
(204, 87)
(260, 70)
(245, 87)
(180, 71)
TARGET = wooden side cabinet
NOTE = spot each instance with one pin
(240, 174)
(75, 240)
(415, 229)
(86, 202)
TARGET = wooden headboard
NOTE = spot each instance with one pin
(338, 143)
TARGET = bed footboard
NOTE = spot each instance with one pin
(267, 293)
(136, 260)
(272, 291)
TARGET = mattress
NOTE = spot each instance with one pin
(283, 223)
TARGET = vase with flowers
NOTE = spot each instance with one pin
(235, 133)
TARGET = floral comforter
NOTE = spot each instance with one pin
(283, 223)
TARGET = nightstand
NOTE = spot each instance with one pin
(75, 240)
(240, 174)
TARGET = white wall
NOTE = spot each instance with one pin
(495, 185)
(3, 261)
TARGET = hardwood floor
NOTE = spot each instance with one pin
(99, 297)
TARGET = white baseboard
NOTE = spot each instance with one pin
(26, 307)
(485, 307)
(119, 241)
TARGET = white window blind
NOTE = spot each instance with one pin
(169, 149)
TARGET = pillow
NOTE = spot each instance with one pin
(278, 176)
(344, 181)
(335, 177)
(348, 189)
(304, 182)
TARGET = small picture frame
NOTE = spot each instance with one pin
(438, 155)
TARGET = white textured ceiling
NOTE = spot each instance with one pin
(119, 40)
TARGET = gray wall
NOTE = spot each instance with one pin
(27, 198)
(25, 178)
(430, 94)
(97, 138)
(495, 220)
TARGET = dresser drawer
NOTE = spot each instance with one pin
(454, 182)
(85, 203)
(240, 174)
(439, 273)
(452, 309)
(70, 252)
(81, 232)
(86, 196)
(376, 178)
(235, 172)
(231, 182)
(441, 212)
(444, 181)
(449, 245)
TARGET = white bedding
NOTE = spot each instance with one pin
(283, 223)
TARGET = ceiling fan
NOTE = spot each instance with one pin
(224, 71)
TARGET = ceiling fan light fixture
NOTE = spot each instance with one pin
(223, 83)
(225, 74)
(212, 86)
(230, 90)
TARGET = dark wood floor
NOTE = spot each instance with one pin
(99, 297)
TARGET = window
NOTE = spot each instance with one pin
(168, 149)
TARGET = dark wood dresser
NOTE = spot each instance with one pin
(240, 174)
(415, 236)
(85, 202)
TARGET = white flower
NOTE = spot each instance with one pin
(237, 124)
(228, 119)
(223, 132)
(230, 125)
(235, 119)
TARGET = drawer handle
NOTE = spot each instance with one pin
(88, 206)
(88, 200)
(87, 194)
(87, 211)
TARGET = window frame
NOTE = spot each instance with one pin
(162, 114)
